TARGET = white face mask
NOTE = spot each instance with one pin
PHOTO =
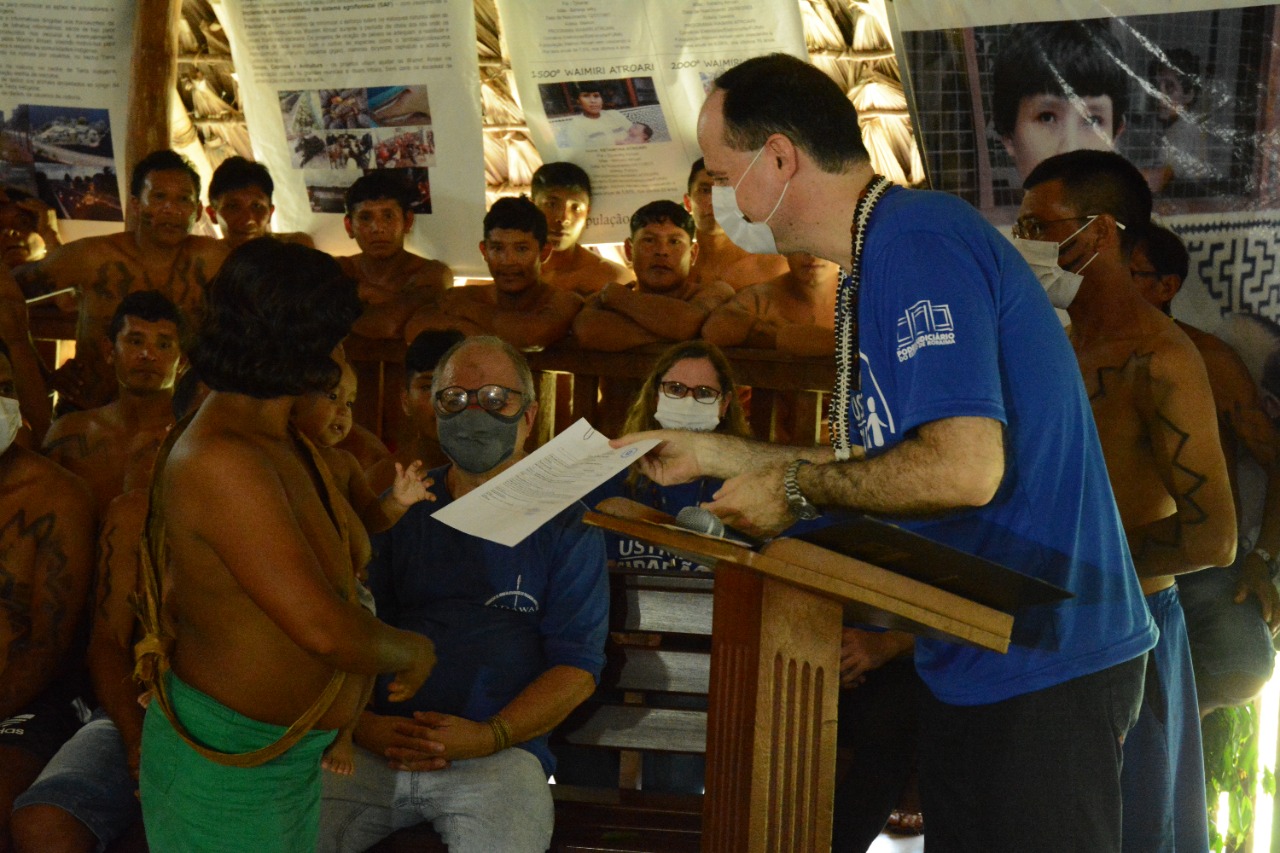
(1042, 256)
(687, 413)
(754, 237)
(10, 421)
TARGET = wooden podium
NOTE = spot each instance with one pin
(775, 665)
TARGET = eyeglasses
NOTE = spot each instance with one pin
(491, 398)
(1030, 228)
(701, 393)
(1144, 273)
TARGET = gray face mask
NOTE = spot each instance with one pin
(478, 441)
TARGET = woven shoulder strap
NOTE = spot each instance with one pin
(151, 653)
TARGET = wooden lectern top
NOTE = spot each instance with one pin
(870, 594)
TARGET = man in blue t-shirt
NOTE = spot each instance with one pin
(1155, 414)
(959, 415)
(519, 635)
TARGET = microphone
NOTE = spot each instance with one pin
(700, 520)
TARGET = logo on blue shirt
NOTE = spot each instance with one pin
(515, 599)
(924, 325)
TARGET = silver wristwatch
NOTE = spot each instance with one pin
(796, 501)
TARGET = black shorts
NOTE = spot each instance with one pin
(45, 724)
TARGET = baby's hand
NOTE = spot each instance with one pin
(411, 485)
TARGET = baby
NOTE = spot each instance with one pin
(638, 134)
(325, 418)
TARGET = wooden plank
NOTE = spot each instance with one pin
(659, 610)
(639, 727)
(663, 670)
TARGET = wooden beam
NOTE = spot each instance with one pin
(154, 78)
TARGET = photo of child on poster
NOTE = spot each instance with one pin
(1179, 95)
(591, 114)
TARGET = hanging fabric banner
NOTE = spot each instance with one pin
(616, 87)
(1184, 90)
(64, 77)
(334, 90)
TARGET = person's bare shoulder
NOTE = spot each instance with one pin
(348, 265)
(302, 238)
(1228, 375)
(1175, 360)
(44, 484)
(610, 272)
(342, 466)
(477, 294)
(67, 428)
(209, 249)
(430, 273)
(712, 293)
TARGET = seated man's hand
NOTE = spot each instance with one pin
(404, 742)
(458, 738)
(1255, 580)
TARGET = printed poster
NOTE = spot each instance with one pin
(616, 87)
(1180, 89)
(332, 91)
(64, 77)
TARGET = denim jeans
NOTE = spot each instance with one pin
(89, 779)
(499, 802)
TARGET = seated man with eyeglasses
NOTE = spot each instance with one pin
(519, 635)
(1154, 410)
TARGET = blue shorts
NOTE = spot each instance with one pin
(1162, 782)
(89, 779)
(1227, 639)
(45, 723)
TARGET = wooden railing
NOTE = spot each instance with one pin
(785, 401)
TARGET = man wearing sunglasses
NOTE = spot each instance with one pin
(519, 634)
(1154, 409)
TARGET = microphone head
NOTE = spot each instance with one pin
(700, 520)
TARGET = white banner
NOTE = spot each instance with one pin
(616, 87)
(331, 90)
(64, 78)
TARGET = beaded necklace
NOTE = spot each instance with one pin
(847, 358)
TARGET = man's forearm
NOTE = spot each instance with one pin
(1168, 547)
(953, 464)
(668, 318)
(111, 671)
(725, 456)
(546, 701)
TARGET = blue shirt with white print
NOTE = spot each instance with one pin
(952, 323)
(499, 616)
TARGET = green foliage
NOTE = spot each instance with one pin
(1231, 764)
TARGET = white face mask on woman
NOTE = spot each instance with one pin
(754, 237)
(687, 413)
